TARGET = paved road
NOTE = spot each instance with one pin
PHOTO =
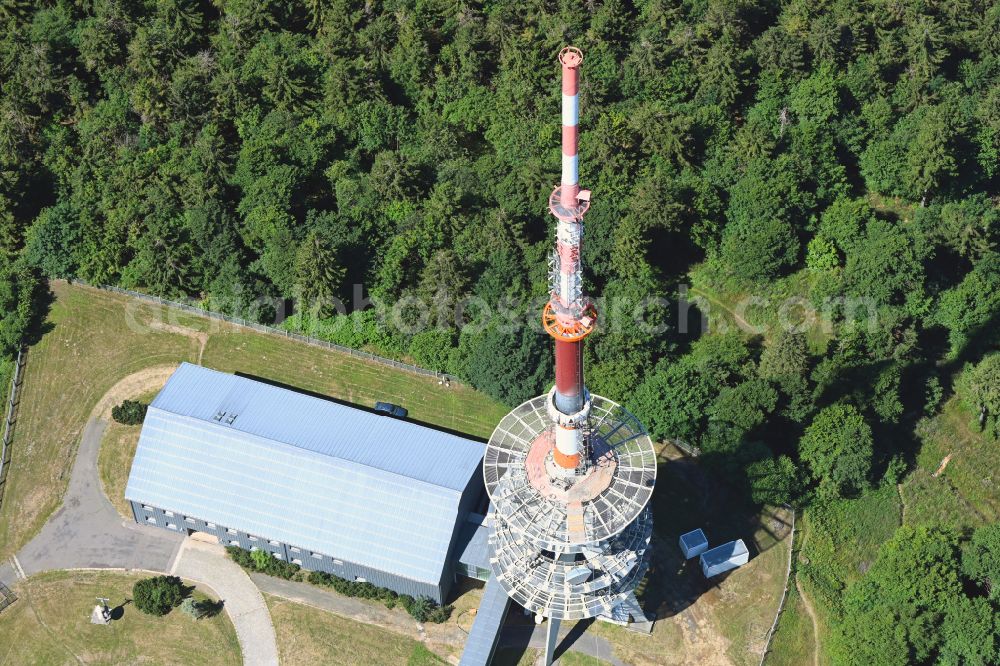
(511, 636)
(87, 530)
(356, 609)
(208, 564)
(534, 637)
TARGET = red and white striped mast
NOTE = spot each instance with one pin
(569, 317)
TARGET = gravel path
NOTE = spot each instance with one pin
(207, 563)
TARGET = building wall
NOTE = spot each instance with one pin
(473, 498)
(230, 536)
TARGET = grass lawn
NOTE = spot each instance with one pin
(974, 468)
(89, 348)
(114, 460)
(307, 635)
(782, 302)
(515, 657)
(97, 338)
(580, 659)
(934, 501)
(50, 624)
(842, 540)
(793, 641)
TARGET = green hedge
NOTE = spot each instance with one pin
(270, 565)
(422, 609)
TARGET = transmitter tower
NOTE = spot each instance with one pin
(570, 474)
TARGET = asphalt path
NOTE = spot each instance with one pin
(87, 532)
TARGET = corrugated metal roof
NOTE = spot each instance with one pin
(306, 471)
(323, 426)
(473, 547)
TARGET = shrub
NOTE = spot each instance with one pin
(129, 412)
(264, 562)
(281, 569)
(440, 614)
(156, 596)
(194, 608)
(260, 559)
(422, 609)
(241, 557)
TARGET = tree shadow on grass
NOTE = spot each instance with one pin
(38, 322)
(212, 608)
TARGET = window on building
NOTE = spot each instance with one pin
(210, 526)
(317, 556)
(295, 550)
(169, 514)
(297, 561)
(252, 538)
(150, 519)
(274, 543)
(234, 542)
(338, 563)
(171, 526)
(230, 531)
(189, 519)
(146, 507)
(360, 579)
(253, 548)
(279, 556)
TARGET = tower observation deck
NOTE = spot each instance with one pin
(570, 474)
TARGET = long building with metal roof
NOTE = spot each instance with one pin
(325, 485)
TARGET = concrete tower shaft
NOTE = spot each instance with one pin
(569, 316)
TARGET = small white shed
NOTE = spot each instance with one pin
(693, 543)
(723, 558)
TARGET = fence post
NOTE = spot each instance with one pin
(15, 383)
(784, 594)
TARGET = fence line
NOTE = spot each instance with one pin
(8, 430)
(692, 451)
(271, 330)
(7, 597)
(784, 594)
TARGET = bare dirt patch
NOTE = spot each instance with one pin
(200, 337)
(941, 468)
(144, 381)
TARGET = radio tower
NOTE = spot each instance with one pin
(570, 474)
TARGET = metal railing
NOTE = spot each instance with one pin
(7, 597)
(271, 330)
(8, 430)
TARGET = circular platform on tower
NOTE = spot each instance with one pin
(593, 582)
(603, 498)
